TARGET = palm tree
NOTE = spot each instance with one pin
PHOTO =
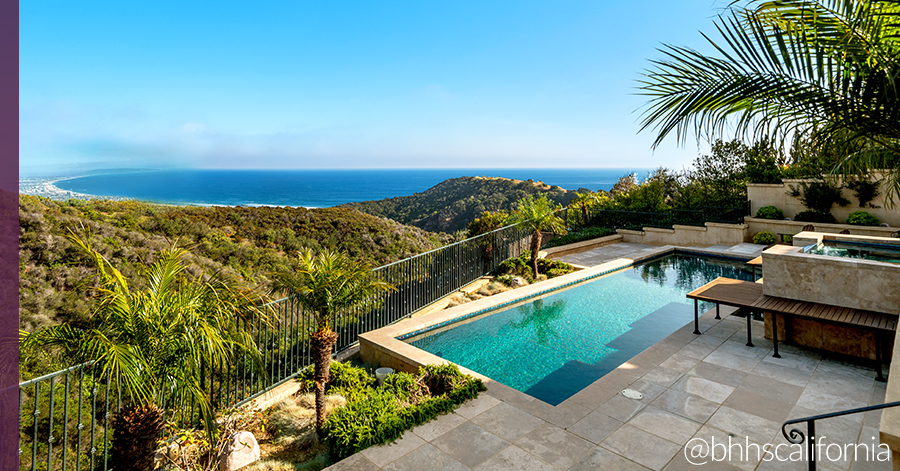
(819, 70)
(539, 214)
(158, 342)
(329, 286)
(583, 201)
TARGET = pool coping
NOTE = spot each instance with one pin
(385, 347)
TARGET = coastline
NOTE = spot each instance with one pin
(46, 188)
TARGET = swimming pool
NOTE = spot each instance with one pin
(553, 346)
(858, 250)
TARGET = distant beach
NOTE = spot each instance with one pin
(307, 188)
(47, 188)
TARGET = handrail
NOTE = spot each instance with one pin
(797, 436)
(54, 374)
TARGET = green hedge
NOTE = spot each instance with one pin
(770, 212)
(815, 216)
(862, 218)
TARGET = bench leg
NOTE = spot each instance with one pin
(749, 337)
(717, 312)
(774, 333)
(696, 318)
(878, 358)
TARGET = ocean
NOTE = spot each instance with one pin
(310, 188)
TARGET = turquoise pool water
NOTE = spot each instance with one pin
(553, 346)
(877, 252)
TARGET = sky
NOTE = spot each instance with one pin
(312, 84)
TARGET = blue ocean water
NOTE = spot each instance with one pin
(554, 346)
(311, 188)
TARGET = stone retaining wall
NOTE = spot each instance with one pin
(711, 233)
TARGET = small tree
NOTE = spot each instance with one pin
(539, 214)
(329, 286)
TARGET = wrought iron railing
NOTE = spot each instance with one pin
(797, 436)
(636, 220)
(65, 416)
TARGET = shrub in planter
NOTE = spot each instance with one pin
(764, 238)
(862, 218)
(770, 212)
(815, 216)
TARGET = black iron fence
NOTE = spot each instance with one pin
(635, 220)
(65, 416)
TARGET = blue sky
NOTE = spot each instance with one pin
(304, 84)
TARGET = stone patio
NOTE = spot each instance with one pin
(694, 387)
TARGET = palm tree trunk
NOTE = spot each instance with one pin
(535, 248)
(322, 344)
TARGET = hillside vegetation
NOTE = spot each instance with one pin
(242, 243)
(452, 204)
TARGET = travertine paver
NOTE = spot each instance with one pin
(507, 422)
(643, 447)
(554, 445)
(431, 430)
(604, 254)
(470, 444)
(425, 457)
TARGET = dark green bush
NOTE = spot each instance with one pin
(770, 212)
(864, 190)
(819, 196)
(815, 216)
(400, 384)
(764, 238)
(862, 218)
(344, 378)
(519, 266)
(580, 235)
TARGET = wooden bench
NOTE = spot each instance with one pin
(754, 264)
(749, 296)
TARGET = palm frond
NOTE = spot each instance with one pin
(825, 69)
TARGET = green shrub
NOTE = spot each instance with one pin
(862, 218)
(764, 238)
(400, 384)
(381, 416)
(344, 379)
(770, 212)
(519, 266)
(815, 216)
(788, 239)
